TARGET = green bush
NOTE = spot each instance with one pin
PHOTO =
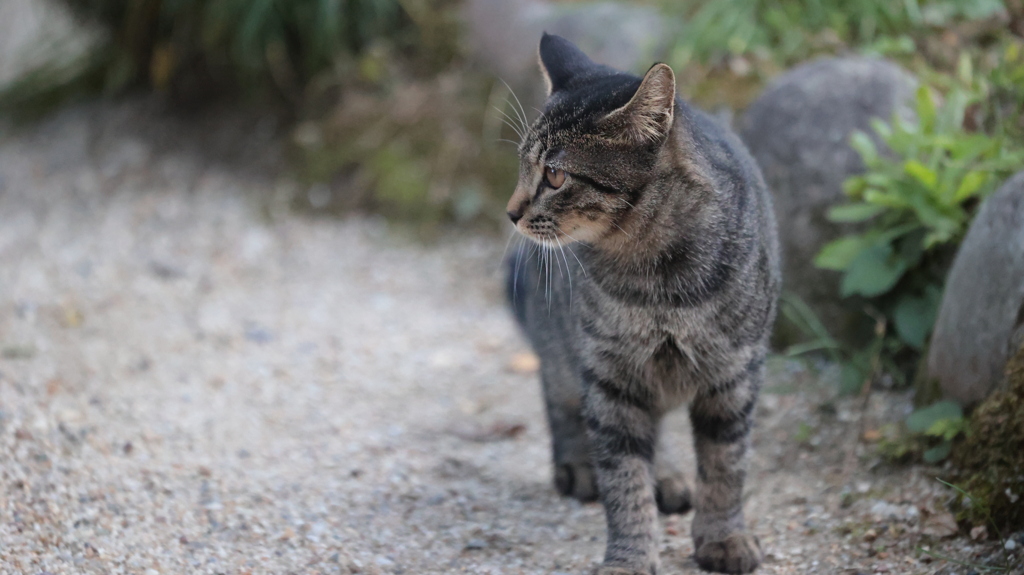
(914, 203)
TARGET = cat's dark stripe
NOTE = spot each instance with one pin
(726, 428)
(593, 331)
(672, 299)
(596, 185)
(618, 442)
(750, 371)
(636, 396)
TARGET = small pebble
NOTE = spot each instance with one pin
(525, 362)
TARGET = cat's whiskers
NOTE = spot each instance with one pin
(567, 271)
(623, 200)
(569, 247)
(548, 253)
(543, 275)
(504, 252)
(540, 261)
(558, 244)
(520, 112)
(513, 142)
(511, 123)
(515, 273)
(630, 236)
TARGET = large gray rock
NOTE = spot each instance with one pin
(981, 319)
(799, 132)
(504, 34)
(36, 31)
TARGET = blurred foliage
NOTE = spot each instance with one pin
(929, 433)
(427, 153)
(194, 49)
(391, 116)
(914, 203)
(728, 49)
(788, 31)
(388, 115)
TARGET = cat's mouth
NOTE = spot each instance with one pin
(544, 231)
(549, 232)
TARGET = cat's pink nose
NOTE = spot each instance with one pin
(515, 216)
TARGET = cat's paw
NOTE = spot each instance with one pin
(576, 480)
(672, 495)
(737, 553)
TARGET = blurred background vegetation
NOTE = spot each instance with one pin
(388, 112)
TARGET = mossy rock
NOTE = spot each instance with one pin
(991, 460)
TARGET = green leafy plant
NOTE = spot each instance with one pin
(914, 204)
(942, 422)
(928, 433)
(1004, 85)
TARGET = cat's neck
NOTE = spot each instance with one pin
(678, 206)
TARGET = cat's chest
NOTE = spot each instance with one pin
(665, 337)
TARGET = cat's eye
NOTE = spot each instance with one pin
(555, 177)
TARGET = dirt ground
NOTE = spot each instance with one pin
(196, 379)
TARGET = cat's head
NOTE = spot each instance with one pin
(585, 160)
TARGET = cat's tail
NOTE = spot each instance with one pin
(516, 271)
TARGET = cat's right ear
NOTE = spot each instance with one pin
(648, 116)
(560, 61)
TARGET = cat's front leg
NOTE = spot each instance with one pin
(623, 434)
(721, 419)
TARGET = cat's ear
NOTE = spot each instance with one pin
(648, 116)
(560, 60)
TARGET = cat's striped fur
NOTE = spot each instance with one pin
(670, 302)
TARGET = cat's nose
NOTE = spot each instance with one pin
(517, 204)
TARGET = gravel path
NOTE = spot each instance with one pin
(194, 379)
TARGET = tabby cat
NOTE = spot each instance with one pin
(667, 298)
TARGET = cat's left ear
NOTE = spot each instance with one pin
(648, 116)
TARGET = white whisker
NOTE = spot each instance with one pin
(556, 258)
(504, 252)
(515, 274)
(510, 122)
(567, 271)
(622, 230)
(567, 235)
(539, 250)
(521, 113)
(577, 260)
(569, 247)
(547, 258)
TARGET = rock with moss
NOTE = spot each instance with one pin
(799, 131)
(981, 318)
(990, 461)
